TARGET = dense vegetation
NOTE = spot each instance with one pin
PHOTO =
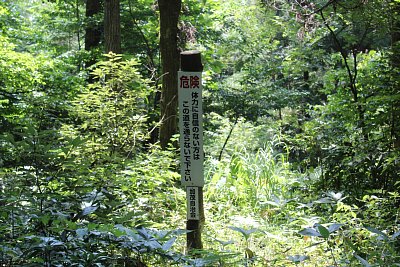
(302, 135)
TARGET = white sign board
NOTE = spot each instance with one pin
(192, 196)
(191, 128)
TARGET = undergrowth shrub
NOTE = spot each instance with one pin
(81, 192)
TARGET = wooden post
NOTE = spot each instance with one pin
(192, 155)
(193, 238)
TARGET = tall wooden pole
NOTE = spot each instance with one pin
(192, 155)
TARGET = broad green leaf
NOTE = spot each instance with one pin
(298, 258)
(88, 210)
(323, 231)
(225, 243)
(81, 232)
(378, 232)
(310, 232)
(167, 245)
(244, 232)
(334, 227)
(395, 235)
(125, 230)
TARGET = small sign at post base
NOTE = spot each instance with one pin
(192, 196)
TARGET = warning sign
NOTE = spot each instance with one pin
(191, 128)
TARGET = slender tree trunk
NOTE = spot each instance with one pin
(169, 16)
(112, 26)
(78, 18)
(227, 138)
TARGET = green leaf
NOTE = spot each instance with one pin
(167, 245)
(81, 232)
(298, 258)
(323, 231)
(89, 210)
(77, 141)
(244, 232)
(395, 235)
(334, 227)
(125, 230)
(225, 243)
(376, 231)
(310, 232)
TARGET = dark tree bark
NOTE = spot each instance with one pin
(395, 63)
(112, 26)
(169, 16)
(93, 31)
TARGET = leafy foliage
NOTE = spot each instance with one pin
(113, 108)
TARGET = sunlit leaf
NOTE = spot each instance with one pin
(88, 210)
(167, 245)
(81, 232)
(310, 232)
(298, 258)
(334, 227)
(395, 235)
(244, 232)
(378, 232)
(225, 243)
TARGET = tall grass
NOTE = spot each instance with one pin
(247, 176)
(250, 178)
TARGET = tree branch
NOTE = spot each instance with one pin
(147, 43)
(344, 56)
(227, 138)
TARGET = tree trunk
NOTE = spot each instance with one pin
(112, 26)
(93, 31)
(169, 16)
(395, 63)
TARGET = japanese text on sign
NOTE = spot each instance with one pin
(192, 81)
(191, 130)
(192, 196)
